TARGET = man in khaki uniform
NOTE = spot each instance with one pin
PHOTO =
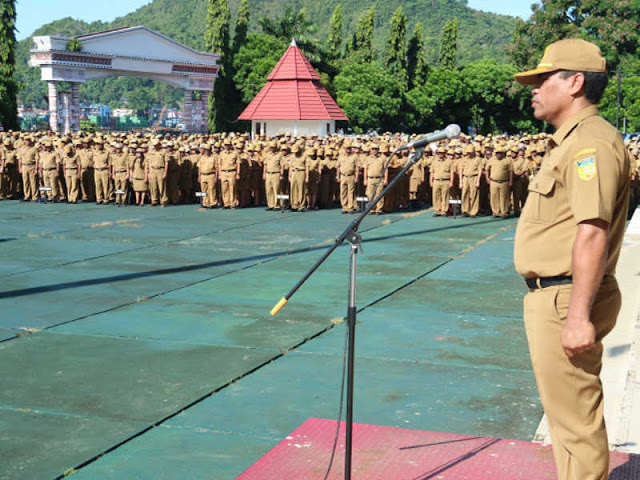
(373, 174)
(441, 181)
(469, 171)
(347, 175)
(522, 170)
(120, 172)
(272, 175)
(158, 165)
(229, 173)
(567, 244)
(49, 162)
(499, 175)
(208, 177)
(298, 178)
(70, 165)
(87, 177)
(102, 171)
(28, 167)
(8, 171)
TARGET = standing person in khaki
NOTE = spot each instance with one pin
(208, 177)
(373, 174)
(158, 165)
(272, 174)
(441, 181)
(120, 172)
(28, 157)
(521, 172)
(499, 174)
(49, 164)
(87, 177)
(347, 175)
(470, 169)
(567, 245)
(298, 178)
(71, 168)
(102, 170)
(229, 173)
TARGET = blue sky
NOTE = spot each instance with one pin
(32, 14)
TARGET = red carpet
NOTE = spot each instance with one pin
(385, 453)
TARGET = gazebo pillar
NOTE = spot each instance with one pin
(53, 106)
(66, 112)
(75, 107)
(188, 111)
(204, 128)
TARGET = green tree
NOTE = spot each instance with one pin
(217, 40)
(369, 97)
(397, 47)
(362, 46)
(629, 103)
(334, 44)
(253, 62)
(449, 44)
(8, 84)
(242, 25)
(611, 24)
(416, 58)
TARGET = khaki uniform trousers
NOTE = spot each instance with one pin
(298, 194)
(51, 180)
(500, 198)
(88, 184)
(102, 185)
(470, 195)
(121, 184)
(371, 185)
(73, 187)
(209, 185)
(348, 193)
(520, 188)
(157, 186)
(441, 196)
(29, 183)
(570, 388)
(272, 189)
(228, 186)
(9, 181)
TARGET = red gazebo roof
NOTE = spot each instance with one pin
(293, 92)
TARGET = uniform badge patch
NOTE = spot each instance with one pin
(587, 168)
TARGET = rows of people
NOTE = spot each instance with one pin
(483, 175)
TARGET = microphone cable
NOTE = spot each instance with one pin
(342, 382)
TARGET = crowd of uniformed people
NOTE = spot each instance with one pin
(468, 176)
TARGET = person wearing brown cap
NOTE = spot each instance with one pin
(499, 176)
(567, 244)
(139, 176)
(470, 170)
(208, 176)
(49, 164)
(441, 181)
(229, 173)
(272, 175)
(119, 172)
(8, 171)
(87, 176)
(101, 168)
(347, 175)
(522, 170)
(28, 167)
(374, 174)
(158, 166)
(71, 170)
(298, 179)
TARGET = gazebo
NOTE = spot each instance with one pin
(293, 100)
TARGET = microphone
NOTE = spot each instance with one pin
(452, 131)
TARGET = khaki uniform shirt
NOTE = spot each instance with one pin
(229, 160)
(28, 155)
(71, 162)
(470, 166)
(375, 166)
(347, 164)
(441, 169)
(273, 162)
(49, 160)
(499, 169)
(207, 164)
(101, 160)
(584, 176)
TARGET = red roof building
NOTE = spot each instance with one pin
(293, 100)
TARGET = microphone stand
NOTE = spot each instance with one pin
(352, 236)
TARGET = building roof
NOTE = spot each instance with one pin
(293, 92)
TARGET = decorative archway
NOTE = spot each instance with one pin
(131, 51)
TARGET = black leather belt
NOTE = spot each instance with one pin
(499, 181)
(544, 282)
(298, 170)
(347, 174)
(374, 178)
(232, 170)
(101, 169)
(469, 176)
(121, 171)
(273, 173)
(158, 168)
(49, 169)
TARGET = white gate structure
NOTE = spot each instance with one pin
(130, 51)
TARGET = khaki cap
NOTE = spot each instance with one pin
(569, 54)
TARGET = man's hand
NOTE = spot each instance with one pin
(578, 335)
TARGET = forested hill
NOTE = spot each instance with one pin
(480, 35)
